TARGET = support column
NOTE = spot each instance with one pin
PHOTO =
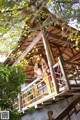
(19, 102)
(48, 54)
(63, 72)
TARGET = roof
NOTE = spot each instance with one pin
(57, 35)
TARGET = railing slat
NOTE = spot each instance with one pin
(39, 91)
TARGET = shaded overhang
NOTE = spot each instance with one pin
(57, 36)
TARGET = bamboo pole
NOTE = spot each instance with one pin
(48, 54)
(63, 71)
(26, 51)
(19, 102)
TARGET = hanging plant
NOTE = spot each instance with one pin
(75, 38)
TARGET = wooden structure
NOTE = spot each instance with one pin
(66, 114)
(55, 46)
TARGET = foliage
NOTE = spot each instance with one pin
(11, 23)
(30, 94)
(75, 37)
(10, 80)
(30, 110)
(66, 9)
(23, 63)
(14, 14)
(14, 115)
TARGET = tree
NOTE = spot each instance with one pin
(14, 14)
(66, 9)
(11, 77)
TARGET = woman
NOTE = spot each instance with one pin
(37, 70)
(45, 75)
(46, 72)
(37, 73)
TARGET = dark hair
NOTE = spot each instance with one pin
(50, 113)
(39, 66)
(45, 58)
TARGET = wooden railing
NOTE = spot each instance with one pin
(38, 91)
(35, 93)
(73, 74)
(60, 76)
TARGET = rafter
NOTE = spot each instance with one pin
(74, 57)
(26, 51)
(59, 38)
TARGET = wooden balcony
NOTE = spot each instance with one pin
(38, 94)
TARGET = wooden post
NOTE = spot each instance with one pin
(19, 102)
(48, 54)
(77, 68)
(63, 72)
(26, 51)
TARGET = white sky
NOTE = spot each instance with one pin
(2, 58)
(73, 24)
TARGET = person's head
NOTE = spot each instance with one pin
(43, 61)
(37, 65)
(50, 114)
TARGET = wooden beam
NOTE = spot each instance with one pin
(26, 51)
(55, 44)
(72, 51)
(54, 61)
(68, 109)
(74, 57)
(63, 71)
(47, 102)
(48, 54)
(59, 38)
(52, 54)
(72, 63)
(60, 52)
(63, 50)
(19, 102)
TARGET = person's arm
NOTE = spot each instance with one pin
(35, 75)
(40, 73)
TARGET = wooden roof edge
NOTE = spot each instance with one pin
(52, 16)
(61, 23)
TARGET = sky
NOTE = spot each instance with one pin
(2, 58)
(73, 24)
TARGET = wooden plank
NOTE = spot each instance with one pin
(63, 71)
(69, 53)
(19, 102)
(65, 56)
(60, 52)
(74, 85)
(72, 63)
(68, 109)
(33, 43)
(60, 38)
(49, 54)
(54, 61)
(55, 44)
(75, 57)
